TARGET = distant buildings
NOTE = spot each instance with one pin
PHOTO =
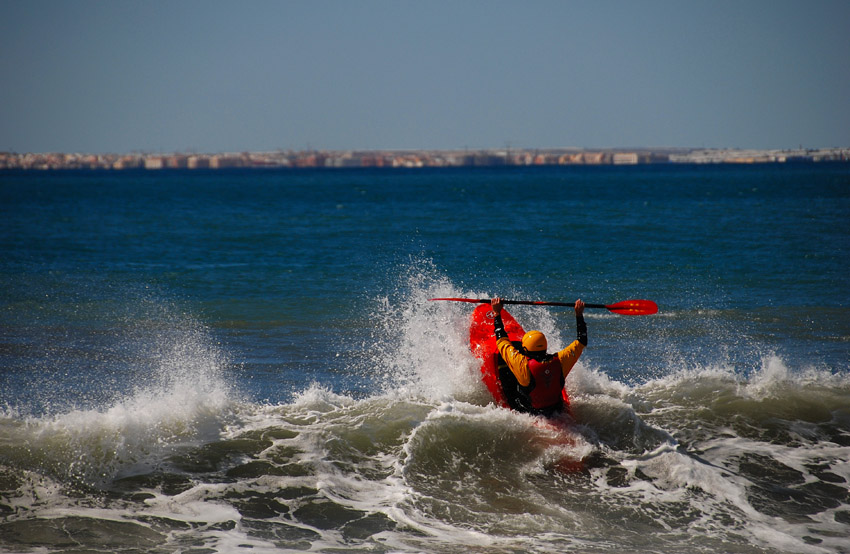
(412, 158)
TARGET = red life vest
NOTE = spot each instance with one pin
(547, 382)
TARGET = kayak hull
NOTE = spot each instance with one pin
(482, 343)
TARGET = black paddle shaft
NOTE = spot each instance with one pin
(539, 303)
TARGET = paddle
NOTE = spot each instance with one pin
(626, 307)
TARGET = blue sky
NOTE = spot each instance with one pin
(214, 76)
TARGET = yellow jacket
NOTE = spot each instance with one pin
(518, 362)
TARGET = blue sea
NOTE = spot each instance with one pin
(248, 360)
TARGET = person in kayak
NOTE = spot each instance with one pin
(532, 379)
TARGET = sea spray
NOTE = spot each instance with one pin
(422, 346)
(683, 463)
(172, 391)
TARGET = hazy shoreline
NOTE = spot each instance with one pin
(414, 158)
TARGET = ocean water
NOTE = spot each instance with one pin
(247, 361)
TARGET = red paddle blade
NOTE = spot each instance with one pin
(634, 307)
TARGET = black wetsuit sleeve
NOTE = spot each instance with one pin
(581, 329)
(499, 327)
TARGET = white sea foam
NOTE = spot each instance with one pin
(184, 398)
(447, 469)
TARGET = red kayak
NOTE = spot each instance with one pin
(482, 342)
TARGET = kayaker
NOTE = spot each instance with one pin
(533, 379)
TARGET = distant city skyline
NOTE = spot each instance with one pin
(222, 76)
(409, 159)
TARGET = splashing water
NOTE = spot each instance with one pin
(700, 459)
(171, 390)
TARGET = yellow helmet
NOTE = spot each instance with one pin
(534, 341)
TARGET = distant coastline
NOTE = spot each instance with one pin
(415, 158)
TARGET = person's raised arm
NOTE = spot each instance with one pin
(498, 326)
(581, 326)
